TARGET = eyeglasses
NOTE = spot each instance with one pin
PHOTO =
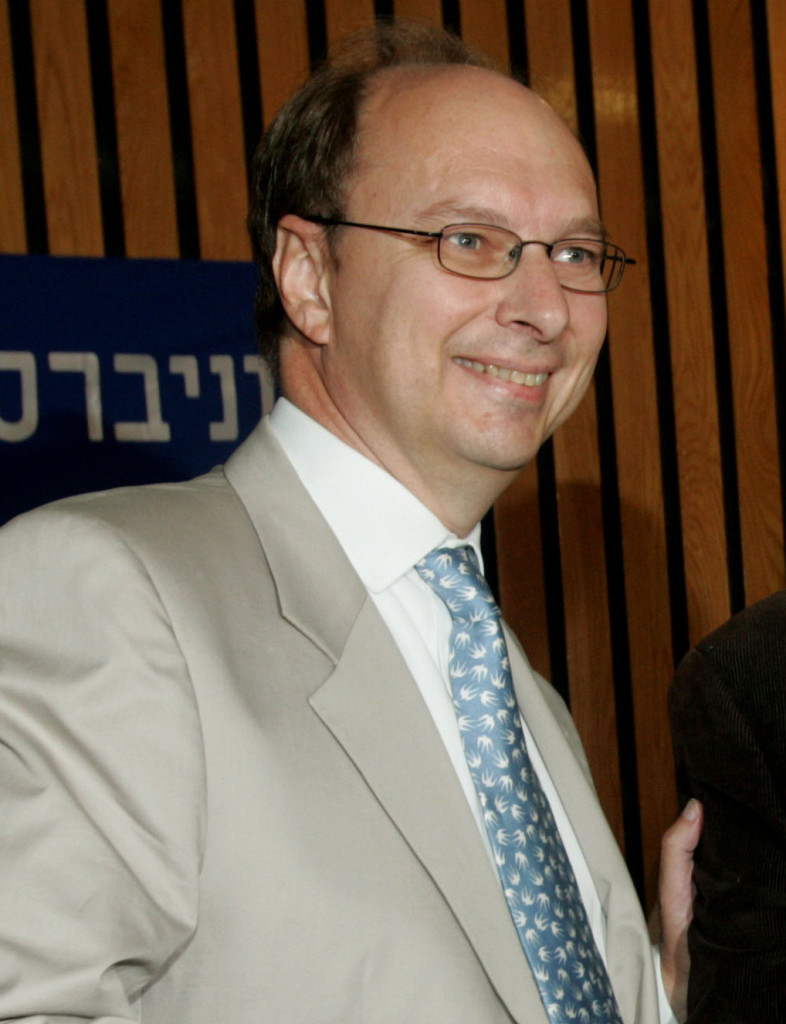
(489, 253)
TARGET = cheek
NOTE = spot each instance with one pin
(393, 322)
(415, 321)
(596, 314)
(587, 342)
(589, 321)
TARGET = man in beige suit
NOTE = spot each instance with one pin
(231, 781)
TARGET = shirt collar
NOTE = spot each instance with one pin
(383, 528)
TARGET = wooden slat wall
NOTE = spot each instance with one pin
(743, 222)
(282, 44)
(147, 177)
(125, 129)
(67, 128)
(691, 348)
(216, 128)
(12, 220)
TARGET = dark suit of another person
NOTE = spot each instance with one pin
(728, 713)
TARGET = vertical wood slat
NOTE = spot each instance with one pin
(216, 128)
(745, 259)
(343, 17)
(485, 26)
(550, 55)
(13, 235)
(65, 111)
(636, 424)
(419, 10)
(522, 587)
(584, 585)
(147, 178)
(577, 462)
(690, 315)
(282, 45)
(776, 33)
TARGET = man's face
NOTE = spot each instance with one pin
(446, 381)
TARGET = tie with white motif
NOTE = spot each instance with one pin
(534, 869)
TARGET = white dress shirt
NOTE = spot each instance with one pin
(384, 530)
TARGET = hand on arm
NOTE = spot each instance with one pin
(676, 903)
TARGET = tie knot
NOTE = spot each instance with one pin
(453, 574)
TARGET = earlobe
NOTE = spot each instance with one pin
(300, 267)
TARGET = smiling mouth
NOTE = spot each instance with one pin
(529, 380)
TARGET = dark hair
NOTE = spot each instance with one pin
(305, 159)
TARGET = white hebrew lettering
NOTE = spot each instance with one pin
(153, 428)
(188, 369)
(87, 364)
(226, 429)
(22, 363)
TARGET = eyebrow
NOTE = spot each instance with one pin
(454, 213)
(461, 213)
(585, 226)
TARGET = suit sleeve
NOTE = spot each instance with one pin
(101, 775)
(727, 708)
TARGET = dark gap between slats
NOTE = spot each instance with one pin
(180, 127)
(105, 128)
(29, 135)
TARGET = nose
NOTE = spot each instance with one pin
(533, 298)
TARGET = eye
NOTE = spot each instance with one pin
(467, 241)
(578, 253)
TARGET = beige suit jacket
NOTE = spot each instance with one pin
(222, 798)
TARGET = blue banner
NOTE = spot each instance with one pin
(120, 371)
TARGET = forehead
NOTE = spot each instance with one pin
(465, 137)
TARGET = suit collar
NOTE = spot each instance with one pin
(304, 556)
(380, 524)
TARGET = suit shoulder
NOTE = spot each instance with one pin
(143, 510)
(746, 655)
(729, 696)
(183, 540)
(762, 623)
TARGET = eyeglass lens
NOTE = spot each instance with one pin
(477, 250)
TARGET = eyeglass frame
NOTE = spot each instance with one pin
(617, 254)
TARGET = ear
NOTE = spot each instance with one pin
(301, 265)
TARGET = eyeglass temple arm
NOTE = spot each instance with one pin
(329, 222)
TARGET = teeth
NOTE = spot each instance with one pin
(530, 380)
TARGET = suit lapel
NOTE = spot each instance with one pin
(318, 591)
(374, 709)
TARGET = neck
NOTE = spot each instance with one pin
(459, 494)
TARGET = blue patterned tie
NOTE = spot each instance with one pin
(534, 869)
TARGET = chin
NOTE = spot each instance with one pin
(510, 455)
(501, 461)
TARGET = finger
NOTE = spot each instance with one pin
(676, 901)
